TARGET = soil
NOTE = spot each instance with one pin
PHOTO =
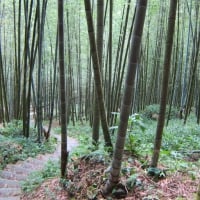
(87, 177)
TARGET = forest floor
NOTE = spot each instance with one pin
(86, 183)
(87, 174)
(88, 170)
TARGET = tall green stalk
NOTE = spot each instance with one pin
(165, 80)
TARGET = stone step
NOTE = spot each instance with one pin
(24, 164)
(12, 176)
(10, 192)
(44, 158)
(35, 160)
(10, 198)
(19, 169)
(5, 183)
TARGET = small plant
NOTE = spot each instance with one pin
(156, 173)
(14, 147)
(9, 152)
(13, 128)
(136, 120)
(88, 152)
(35, 179)
(135, 125)
(152, 111)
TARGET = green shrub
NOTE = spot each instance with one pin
(14, 146)
(50, 170)
(9, 152)
(13, 128)
(136, 125)
(152, 110)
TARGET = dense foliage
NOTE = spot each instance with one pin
(14, 146)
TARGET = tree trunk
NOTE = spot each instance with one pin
(3, 93)
(64, 153)
(100, 28)
(165, 80)
(198, 192)
(97, 75)
(127, 97)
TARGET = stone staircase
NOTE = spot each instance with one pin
(11, 176)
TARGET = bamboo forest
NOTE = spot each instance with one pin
(100, 99)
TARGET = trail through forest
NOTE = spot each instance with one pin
(11, 176)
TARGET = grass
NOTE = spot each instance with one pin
(50, 170)
(178, 141)
(14, 147)
(76, 131)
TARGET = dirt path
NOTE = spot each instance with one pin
(11, 176)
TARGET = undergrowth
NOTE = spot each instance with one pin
(150, 110)
(14, 146)
(50, 170)
(179, 141)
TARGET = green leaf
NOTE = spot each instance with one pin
(131, 181)
(156, 172)
(92, 192)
